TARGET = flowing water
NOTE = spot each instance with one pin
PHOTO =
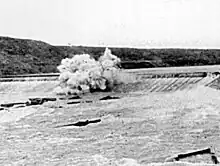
(153, 119)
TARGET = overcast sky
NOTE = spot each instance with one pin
(129, 23)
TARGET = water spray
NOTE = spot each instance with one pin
(82, 73)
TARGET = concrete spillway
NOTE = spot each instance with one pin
(177, 78)
(173, 84)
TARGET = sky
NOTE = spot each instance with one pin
(118, 23)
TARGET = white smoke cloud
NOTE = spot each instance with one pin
(82, 73)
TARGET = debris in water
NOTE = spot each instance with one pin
(77, 102)
(20, 106)
(32, 101)
(214, 159)
(82, 123)
(74, 102)
(39, 101)
(70, 98)
(109, 98)
(193, 153)
(11, 104)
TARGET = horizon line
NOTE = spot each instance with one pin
(112, 46)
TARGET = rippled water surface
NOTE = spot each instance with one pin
(137, 129)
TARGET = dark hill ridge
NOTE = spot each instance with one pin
(23, 56)
(19, 56)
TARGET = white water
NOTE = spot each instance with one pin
(203, 102)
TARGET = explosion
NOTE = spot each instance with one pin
(82, 73)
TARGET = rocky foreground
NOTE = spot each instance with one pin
(135, 128)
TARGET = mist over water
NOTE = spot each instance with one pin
(82, 73)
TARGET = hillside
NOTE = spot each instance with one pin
(21, 56)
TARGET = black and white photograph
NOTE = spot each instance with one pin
(109, 82)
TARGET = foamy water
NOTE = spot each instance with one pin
(138, 118)
(205, 101)
(99, 160)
